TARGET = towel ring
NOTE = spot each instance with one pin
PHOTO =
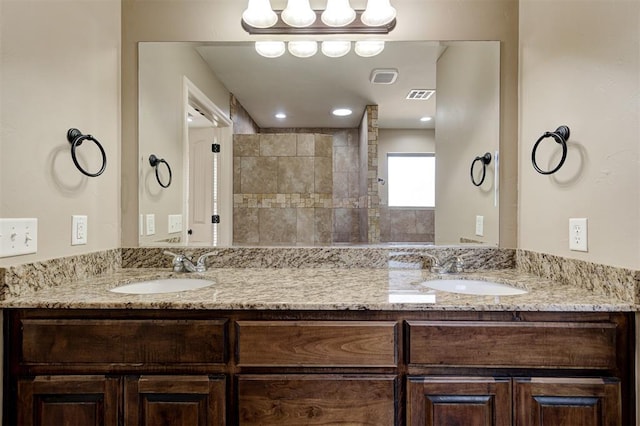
(155, 162)
(561, 136)
(485, 160)
(75, 138)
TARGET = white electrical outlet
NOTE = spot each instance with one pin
(175, 223)
(18, 237)
(79, 224)
(151, 224)
(578, 234)
(480, 226)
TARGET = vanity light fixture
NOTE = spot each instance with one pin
(338, 18)
(298, 14)
(259, 14)
(369, 48)
(281, 115)
(270, 49)
(378, 12)
(336, 48)
(338, 13)
(303, 48)
(342, 112)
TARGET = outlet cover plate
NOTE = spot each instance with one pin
(578, 234)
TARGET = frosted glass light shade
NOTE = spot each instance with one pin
(298, 13)
(378, 12)
(259, 14)
(338, 13)
(270, 49)
(336, 49)
(369, 48)
(303, 49)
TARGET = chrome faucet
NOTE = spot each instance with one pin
(449, 265)
(182, 263)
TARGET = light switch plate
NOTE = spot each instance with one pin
(480, 226)
(175, 223)
(151, 224)
(18, 236)
(79, 231)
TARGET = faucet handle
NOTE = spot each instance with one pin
(435, 263)
(201, 264)
(459, 264)
(178, 266)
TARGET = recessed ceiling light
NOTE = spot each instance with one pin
(425, 119)
(281, 115)
(341, 112)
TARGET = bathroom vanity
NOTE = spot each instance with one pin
(286, 346)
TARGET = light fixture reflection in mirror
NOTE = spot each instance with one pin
(336, 48)
(303, 48)
(270, 49)
(369, 48)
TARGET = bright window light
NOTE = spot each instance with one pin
(411, 179)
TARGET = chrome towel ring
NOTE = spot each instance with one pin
(561, 136)
(155, 162)
(75, 138)
(484, 160)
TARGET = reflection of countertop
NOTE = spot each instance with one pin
(317, 289)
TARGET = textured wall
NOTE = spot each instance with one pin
(283, 189)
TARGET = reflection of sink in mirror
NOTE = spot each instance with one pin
(169, 285)
(484, 288)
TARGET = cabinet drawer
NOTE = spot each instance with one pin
(317, 399)
(68, 341)
(317, 343)
(522, 344)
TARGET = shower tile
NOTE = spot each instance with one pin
(295, 175)
(245, 226)
(305, 226)
(246, 145)
(306, 146)
(323, 225)
(258, 175)
(323, 146)
(323, 167)
(278, 226)
(278, 145)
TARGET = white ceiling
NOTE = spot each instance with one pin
(308, 89)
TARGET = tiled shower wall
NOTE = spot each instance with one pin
(406, 225)
(283, 189)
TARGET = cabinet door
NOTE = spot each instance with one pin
(68, 400)
(174, 400)
(567, 401)
(468, 401)
(316, 399)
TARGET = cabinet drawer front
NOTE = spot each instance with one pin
(496, 344)
(123, 341)
(317, 343)
(316, 400)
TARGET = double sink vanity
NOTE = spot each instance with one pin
(367, 336)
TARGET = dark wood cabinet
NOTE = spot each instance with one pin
(469, 401)
(68, 400)
(190, 367)
(174, 400)
(556, 401)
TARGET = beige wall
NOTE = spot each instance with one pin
(60, 68)
(580, 66)
(417, 20)
(467, 126)
(162, 67)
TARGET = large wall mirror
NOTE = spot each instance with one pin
(254, 155)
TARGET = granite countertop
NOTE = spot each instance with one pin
(319, 289)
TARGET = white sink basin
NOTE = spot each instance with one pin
(168, 285)
(483, 288)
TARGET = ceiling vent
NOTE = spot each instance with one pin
(420, 94)
(383, 76)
